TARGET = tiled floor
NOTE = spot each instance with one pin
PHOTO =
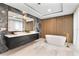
(35, 49)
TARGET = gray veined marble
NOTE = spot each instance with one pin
(3, 47)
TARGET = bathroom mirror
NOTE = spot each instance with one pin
(15, 22)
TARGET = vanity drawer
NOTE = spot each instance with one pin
(18, 41)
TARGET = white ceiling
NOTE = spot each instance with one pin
(46, 10)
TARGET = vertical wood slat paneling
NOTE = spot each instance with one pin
(48, 27)
(68, 27)
(58, 26)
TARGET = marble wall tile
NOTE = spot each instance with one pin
(3, 16)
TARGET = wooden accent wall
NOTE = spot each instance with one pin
(58, 26)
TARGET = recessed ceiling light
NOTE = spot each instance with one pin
(49, 10)
(38, 3)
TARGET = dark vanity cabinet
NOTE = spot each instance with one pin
(14, 42)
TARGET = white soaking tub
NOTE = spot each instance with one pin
(56, 40)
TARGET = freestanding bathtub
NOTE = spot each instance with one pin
(56, 39)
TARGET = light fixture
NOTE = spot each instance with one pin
(3, 11)
(49, 10)
(24, 15)
(23, 12)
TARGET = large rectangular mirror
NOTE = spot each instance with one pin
(15, 22)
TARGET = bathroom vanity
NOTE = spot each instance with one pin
(15, 40)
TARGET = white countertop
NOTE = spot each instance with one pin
(20, 34)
